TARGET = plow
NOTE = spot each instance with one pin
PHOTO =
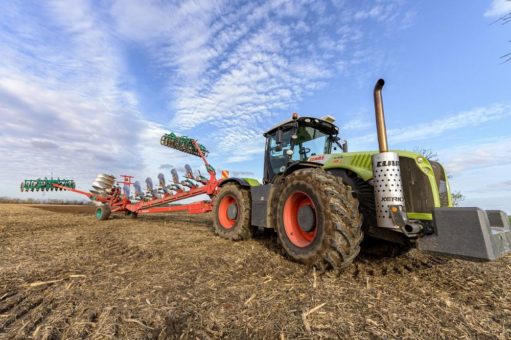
(126, 196)
(324, 202)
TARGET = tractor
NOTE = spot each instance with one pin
(325, 203)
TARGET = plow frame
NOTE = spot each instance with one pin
(117, 202)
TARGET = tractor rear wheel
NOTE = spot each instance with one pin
(318, 221)
(103, 213)
(231, 209)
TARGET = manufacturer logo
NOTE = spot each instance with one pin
(387, 163)
(318, 159)
(392, 199)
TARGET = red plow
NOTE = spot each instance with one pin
(113, 196)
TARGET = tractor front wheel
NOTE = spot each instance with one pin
(318, 221)
(231, 209)
(103, 213)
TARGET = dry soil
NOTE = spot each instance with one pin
(65, 275)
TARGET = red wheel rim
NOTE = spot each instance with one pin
(294, 232)
(223, 216)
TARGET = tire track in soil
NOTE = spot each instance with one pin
(123, 261)
(46, 313)
(28, 308)
(112, 247)
(395, 266)
(49, 311)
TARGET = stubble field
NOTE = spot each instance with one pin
(65, 275)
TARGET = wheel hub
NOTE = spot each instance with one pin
(306, 218)
(232, 211)
(299, 217)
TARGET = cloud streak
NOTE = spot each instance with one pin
(234, 66)
(63, 96)
(470, 118)
(477, 155)
(498, 8)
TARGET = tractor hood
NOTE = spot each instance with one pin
(360, 162)
(425, 182)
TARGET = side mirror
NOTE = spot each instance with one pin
(345, 146)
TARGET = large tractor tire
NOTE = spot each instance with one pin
(364, 192)
(318, 221)
(103, 213)
(231, 209)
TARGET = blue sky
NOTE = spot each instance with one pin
(88, 88)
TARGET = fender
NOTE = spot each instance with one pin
(301, 165)
(243, 182)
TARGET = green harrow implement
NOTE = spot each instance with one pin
(46, 184)
(182, 143)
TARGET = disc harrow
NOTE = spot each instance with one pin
(46, 184)
(183, 144)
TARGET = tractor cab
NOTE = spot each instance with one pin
(299, 140)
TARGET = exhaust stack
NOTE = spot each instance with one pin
(380, 116)
(388, 189)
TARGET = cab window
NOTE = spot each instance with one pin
(278, 157)
(311, 142)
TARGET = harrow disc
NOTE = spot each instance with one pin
(103, 184)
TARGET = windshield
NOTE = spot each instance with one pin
(311, 142)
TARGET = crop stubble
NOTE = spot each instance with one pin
(65, 275)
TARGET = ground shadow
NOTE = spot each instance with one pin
(67, 209)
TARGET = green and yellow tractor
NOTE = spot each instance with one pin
(325, 203)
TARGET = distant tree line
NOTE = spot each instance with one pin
(456, 196)
(9, 200)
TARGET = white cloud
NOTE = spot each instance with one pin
(487, 187)
(69, 106)
(470, 118)
(498, 8)
(232, 66)
(356, 124)
(477, 155)
(63, 96)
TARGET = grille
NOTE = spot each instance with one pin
(362, 161)
(416, 187)
(441, 183)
